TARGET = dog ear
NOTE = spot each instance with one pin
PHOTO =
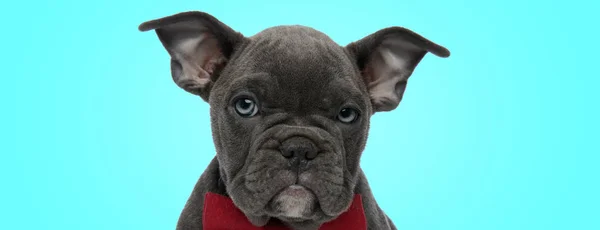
(386, 59)
(199, 46)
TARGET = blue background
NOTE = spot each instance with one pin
(501, 135)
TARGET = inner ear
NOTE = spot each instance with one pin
(196, 58)
(199, 46)
(386, 75)
(387, 58)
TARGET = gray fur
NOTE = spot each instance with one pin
(300, 80)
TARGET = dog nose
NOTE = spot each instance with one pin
(298, 147)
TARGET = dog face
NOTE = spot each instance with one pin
(289, 107)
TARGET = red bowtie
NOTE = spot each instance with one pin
(221, 214)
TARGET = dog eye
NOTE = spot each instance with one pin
(246, 107)
(347, 115)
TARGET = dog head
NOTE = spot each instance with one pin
(289, 107)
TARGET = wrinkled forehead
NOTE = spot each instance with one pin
(303, 65)
(297, 52)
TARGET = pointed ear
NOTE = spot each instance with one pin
(199, 46)
(386, 59)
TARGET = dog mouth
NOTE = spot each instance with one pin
(294, 203)
(283, 180)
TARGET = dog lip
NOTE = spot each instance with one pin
(294, 202)
(296, 190)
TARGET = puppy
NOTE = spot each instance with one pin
(290, 114)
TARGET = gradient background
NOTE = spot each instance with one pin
(501, 135)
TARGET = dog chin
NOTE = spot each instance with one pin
(295, 203)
